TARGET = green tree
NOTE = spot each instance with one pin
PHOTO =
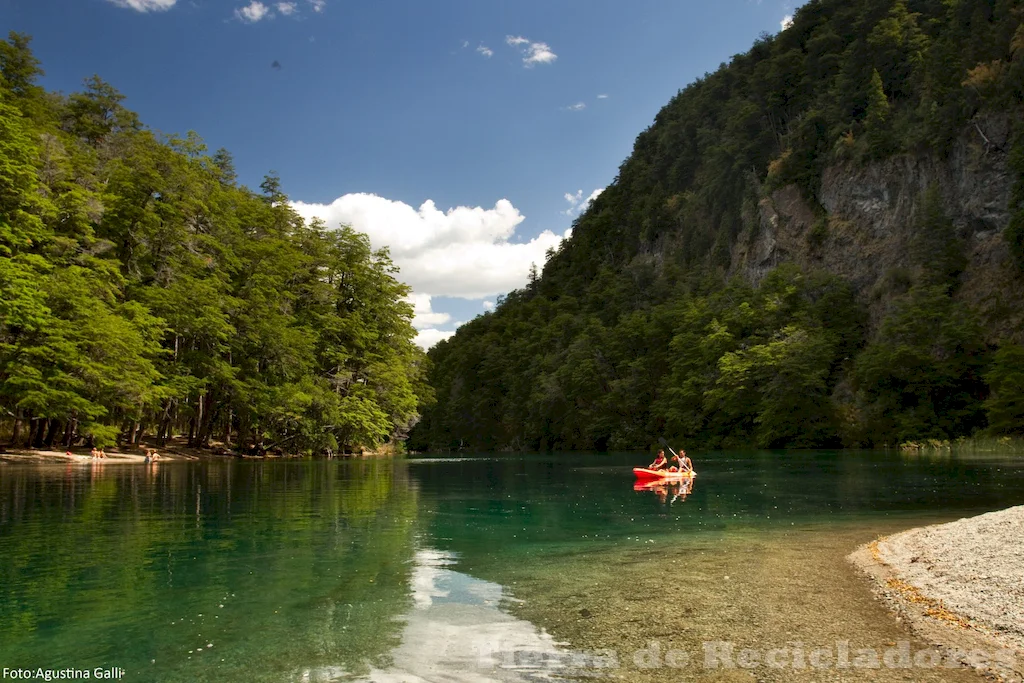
(1005, 405)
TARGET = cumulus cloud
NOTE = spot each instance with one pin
(146, 5)
(579, 106)
(427, 338)
(253, 12)
(533, 53)
(786, 22)
(602, 97)
(577, 204)
(423, 315)
(485, 51)
(287, 8)
(318, 5)
(488, 305)
(463, 252)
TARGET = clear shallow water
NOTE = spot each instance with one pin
(409, 570)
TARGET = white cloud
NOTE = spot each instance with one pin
(253, 12)
(485, 51)
(465, 44)
(533, 53)
(318, 5)
(423, 315)
(577, 204)
(463, 252)
(427, 338)
(287, 8)
(146, 5)
(579, 106)
(602, 97)
(786, 22)
(539, 53)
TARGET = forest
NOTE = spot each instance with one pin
(641, 325)
(145, 294)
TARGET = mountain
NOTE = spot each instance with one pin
(819, 244)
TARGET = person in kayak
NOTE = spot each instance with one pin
(659, 463)
(685, 465)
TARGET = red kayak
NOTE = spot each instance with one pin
(644, 473)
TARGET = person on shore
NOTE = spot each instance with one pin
(659, 463)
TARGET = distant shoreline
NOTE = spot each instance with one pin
(170, 453)
(958, 585)
(21, 456)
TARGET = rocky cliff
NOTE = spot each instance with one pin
(865, 226)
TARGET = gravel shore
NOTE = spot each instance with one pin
(959, 584)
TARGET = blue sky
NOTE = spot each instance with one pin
(378, 106)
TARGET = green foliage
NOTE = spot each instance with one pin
(877, 116)
(1005, 405)
(142, 290)
(922, 376)
(936, 247)
(730, 365)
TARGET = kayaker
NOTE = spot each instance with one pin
(684, 462)
(659, 463)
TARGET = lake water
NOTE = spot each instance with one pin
(482, 568)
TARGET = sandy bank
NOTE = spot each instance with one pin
(78, 455)
(959, 585)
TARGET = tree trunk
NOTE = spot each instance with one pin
(31, 431)
(69, 432)
(227, 429)
(133, 432)
(51, 432)
(16, 429)
(41, 423)
(206, 424)
(162, 432)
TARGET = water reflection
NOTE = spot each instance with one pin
(245, 572)
(668, 492)
(220, 571)
(457, 631)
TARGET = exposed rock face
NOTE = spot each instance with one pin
(868, 226)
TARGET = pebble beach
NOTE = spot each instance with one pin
(960, 585)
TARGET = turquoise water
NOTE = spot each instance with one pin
(379, 570)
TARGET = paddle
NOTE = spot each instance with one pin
(664, 443)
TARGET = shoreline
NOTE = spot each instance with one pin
(82, 456)
(958, 585)
(169, 453)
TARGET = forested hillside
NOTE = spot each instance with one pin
(143, 291)
(819, 244)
